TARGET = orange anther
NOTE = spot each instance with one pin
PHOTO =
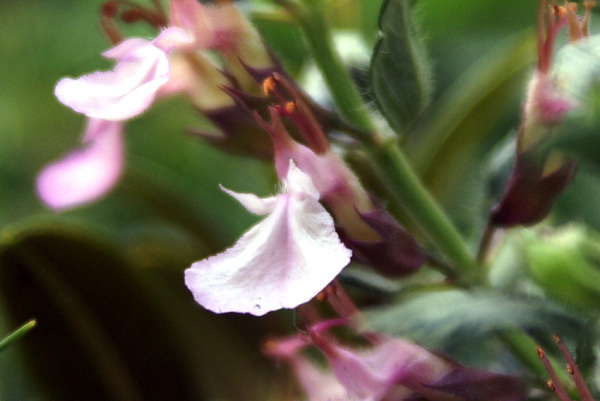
(570, 370)
(290, 107)
(540, 352)
(268, 85)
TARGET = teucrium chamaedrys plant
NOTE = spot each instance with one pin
(322, 217)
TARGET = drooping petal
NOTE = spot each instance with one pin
(130, 87)
(86, 174)
(282, 262)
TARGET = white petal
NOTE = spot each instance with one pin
(122, 93)
(298, 182)
(84, 175)
(171, 38)
(282, 262)
(253, 203)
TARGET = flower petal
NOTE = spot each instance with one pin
(318, 384)
(282, 262)
(84, 175)
(124, 92)
(253, 203)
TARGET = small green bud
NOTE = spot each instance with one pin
(566, 264)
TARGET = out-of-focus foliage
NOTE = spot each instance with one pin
(400, 72)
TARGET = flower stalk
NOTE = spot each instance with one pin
(388, 159)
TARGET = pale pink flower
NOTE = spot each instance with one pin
(86, 174)
(394, 364)
(282, 262)
(129, 89)
(318, 384)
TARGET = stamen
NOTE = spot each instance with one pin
(573, 370)
(572, 22)
(268, 85)
(586, 18)
(304, 118)
(554, 384)
(290, 107)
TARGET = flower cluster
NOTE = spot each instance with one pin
(295, 252)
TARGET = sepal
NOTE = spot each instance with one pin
(397, 254)
(532, 190)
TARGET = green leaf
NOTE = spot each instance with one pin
(400, 72)
(454, 320)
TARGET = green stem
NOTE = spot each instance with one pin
(389, 161)
(317, 32)
(400, 178)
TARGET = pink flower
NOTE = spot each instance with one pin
(223, 28)
(86, 174)
(392, 370)
(370, 376)
(318, 384)
(282, 262)
(126, 91)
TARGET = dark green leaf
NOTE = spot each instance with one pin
(400, 71)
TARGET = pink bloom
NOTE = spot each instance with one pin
(127, 90)
(223, 28)
(317, 383)
(282, 262)
(86, 174)
(370, 376)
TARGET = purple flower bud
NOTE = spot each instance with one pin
(532, 190)
(397, 254)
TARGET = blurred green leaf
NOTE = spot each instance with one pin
(449, 142)
(429, 138)
(566, 265)
(453, 320)
(400, 71)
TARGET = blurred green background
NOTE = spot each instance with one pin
(105, 281)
